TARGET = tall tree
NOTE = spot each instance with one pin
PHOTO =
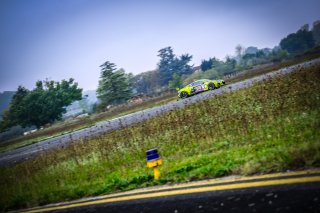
(130, 80)
(239, 51)
(113, 86)
(15, 112)
(296, 43)
(44, 104)
(182, 66)
(206, 64)
(165, 65)
(316, 32)
(169, 64)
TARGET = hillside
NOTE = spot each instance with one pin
(270, 126)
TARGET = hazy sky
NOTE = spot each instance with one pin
(59, 39)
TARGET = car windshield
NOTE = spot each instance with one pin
(197, 83)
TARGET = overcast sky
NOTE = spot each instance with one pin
(59, 39)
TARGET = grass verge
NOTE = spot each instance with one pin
(65, 127)
(271, 126)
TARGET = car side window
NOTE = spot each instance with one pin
(198, 83)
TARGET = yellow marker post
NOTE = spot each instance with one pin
(153, 161)
(156, 173)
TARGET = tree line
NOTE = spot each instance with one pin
(42, 105)
(47, 102)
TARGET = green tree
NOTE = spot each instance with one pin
(15, 112)
(176, 81)
(169, 64)
(113, 86)
(206, 64)
(230, 63)
(147, 82)
(316, 32)
(278, 55)
(299, 42)
(44, 104)
(181, 64)
(165, 65)
(130, 80)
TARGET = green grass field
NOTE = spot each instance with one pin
(272, 126)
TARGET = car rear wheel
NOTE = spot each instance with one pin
(184, 95)
(211, 86)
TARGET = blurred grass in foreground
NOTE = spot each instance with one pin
(272, 126)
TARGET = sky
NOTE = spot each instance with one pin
(62, 39)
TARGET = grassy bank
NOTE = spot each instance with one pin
(65, 127)
(71, 125)
(272, 126)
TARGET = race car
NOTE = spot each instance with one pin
(199, 86)
(221, 82)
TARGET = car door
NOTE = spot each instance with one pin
(198, 86)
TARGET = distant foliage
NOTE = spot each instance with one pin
(166, 64)
(239, 51)
(279, 55)
(176, 82)
(170, 64)
(299, 42)
(147, 82)
(154, 82)
(206, 64)
(220, 67)
(209, 74)
(5, 99)
(316, 32)
(44, 104)
(114, 85)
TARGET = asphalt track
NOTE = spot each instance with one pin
(27, 152)
(297, 191)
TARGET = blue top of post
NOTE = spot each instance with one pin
(152, 154)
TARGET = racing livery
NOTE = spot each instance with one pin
(199, 86)
(221, 82)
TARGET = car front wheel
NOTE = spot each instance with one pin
(184, 95)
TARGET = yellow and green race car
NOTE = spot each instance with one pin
(221, 82)
(199, 86)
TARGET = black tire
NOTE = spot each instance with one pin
(211, 86)
(184, 95)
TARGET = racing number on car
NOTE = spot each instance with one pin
(199, 88)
